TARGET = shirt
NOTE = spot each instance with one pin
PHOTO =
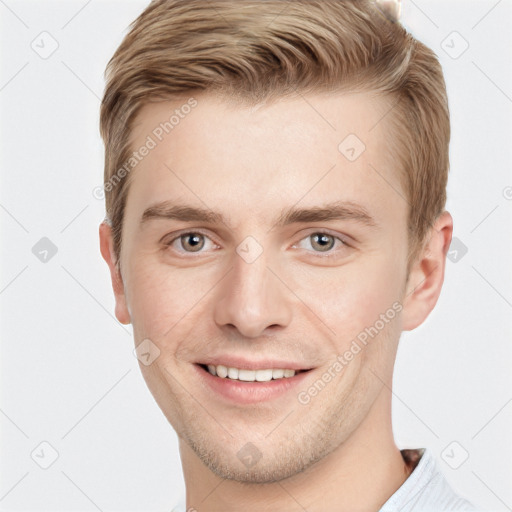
(425, 490)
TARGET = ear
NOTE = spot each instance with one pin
(107, 251)
(427, 274)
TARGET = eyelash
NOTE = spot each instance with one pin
(329, 254)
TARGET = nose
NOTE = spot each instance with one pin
(252, 299)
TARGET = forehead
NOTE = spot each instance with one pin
(255, 159)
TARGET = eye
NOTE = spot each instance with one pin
(190, 242)
(322, 242)
(317, 242)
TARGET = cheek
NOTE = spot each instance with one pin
(352, 298)
(164, 299)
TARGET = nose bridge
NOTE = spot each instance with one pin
(252, 298)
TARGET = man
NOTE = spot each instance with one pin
(275, 181)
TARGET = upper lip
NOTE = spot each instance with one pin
(245, 364)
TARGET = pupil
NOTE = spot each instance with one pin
(321, 239)
(195, 241)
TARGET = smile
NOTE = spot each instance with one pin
(246, 386)
(250, 375)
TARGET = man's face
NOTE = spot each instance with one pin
(255, 293)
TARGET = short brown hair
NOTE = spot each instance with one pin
(256, 50)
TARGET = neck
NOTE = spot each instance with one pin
(360, 475)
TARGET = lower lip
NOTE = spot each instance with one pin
(250, 392)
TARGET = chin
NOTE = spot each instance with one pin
(265, 474)
(251, 464)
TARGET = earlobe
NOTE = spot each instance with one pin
(107, 251)
(427, 274)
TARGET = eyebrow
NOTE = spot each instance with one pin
(338, 210)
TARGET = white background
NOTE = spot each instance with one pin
(69, 376)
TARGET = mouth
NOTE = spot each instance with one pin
(248, 375)
(249, 385)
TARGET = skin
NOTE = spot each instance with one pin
(336, 452)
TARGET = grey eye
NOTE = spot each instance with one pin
(192, 241)
(322, 241)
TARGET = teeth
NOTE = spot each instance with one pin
(265, 375)
(277, 374)
(222, 371)
(249, 375)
